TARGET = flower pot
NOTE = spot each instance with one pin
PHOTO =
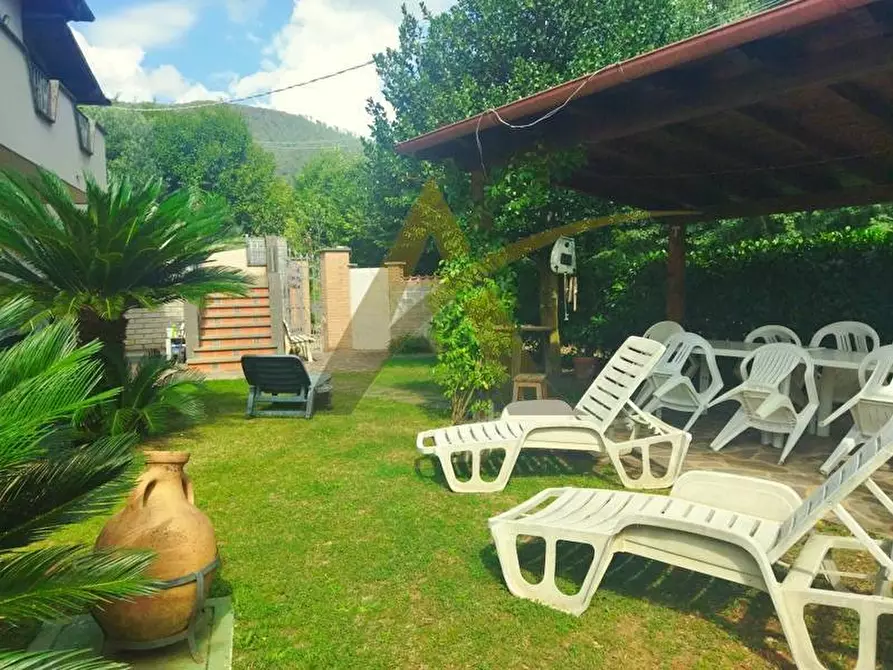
(583, 367)
(160, 516)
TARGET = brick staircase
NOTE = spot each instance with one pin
(230, 327)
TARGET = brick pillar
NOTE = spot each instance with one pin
(334, 273)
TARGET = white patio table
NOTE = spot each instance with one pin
(830, 360)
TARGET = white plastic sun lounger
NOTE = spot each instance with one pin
(722, 525)
(553, 424)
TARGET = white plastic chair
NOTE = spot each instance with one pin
(763, 396)
(772, 334)
(670, 387)
(663, 331)
(871, 407)
(848, 336)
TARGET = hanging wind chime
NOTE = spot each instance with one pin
(564, 262)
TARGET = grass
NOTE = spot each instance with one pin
(342, 550)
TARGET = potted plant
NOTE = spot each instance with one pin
(584, 362)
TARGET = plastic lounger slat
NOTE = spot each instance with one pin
(615, 389)
(625, 367)
(574, 506)
(555, 507)
(618, 501)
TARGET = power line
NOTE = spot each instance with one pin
(230, 101)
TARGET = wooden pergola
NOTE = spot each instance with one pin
(787, 110)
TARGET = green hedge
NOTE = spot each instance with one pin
(802, 283)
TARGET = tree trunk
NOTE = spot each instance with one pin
(112, 335)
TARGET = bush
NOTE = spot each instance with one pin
(472, 329)
(411, 344)
(802, 283)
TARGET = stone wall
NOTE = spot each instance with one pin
(410, 313)
(147, 329)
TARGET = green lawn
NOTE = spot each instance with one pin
(341, 550)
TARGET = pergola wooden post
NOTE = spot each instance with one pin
(676, 273)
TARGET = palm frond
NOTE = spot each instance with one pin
(57, 660)
(32, 402)
(53, 582)
(129, 247)
(155, 392)
(40, 496)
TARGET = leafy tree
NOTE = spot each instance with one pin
(128, 141)
(129, 247)
(48, 479)
(330, 205)
(212, 150)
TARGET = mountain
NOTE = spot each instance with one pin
(292, 139)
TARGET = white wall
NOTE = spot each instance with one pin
(53, 146)
(12, 9)
(370, 309)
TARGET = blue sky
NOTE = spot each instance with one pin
(187, 50)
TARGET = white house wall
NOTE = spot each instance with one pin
(23, 132)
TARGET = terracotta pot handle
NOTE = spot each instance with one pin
(141, 493)
(187, 489)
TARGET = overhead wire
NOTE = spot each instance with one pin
(748, 9)
(255, 96)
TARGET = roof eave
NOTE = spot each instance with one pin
(785, 17)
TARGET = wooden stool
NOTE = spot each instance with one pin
(529, 380)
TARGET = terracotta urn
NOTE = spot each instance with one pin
(159, 516)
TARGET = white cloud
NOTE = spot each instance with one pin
(121, 73)
(154, 24)
(320, 37)
(323, 36)
(243, 11)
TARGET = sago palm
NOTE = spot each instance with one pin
(130, 246)
(49, 478)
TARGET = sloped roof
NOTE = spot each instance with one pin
(787, 110)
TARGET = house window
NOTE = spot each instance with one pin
(86, 131)
(44, 91)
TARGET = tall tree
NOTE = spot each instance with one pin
(331, 201)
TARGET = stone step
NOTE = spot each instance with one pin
(213, 365)
(255, 301)
(238, 351)
(235, 322)
(223, 332)
(226, 311)
(253, 292)
(233, 342)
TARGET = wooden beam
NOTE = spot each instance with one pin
(740, 154)
(867, 101)
(676, 273)
(734, 177)
(822, 146)
(807, 202)
(668, 169)
(611, 161)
